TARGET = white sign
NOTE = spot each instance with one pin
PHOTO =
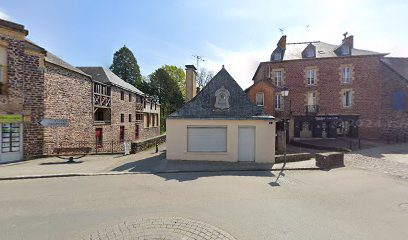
(48, 122)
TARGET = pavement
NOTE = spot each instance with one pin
(344, 203)
(143, 162)
(340, 143)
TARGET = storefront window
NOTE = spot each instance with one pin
(10, 141)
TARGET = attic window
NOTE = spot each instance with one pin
(321, 52)
(309, 53)
(277, 56)
(345, 50)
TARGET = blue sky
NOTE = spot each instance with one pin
(236, 33)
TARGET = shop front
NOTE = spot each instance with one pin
(326, 126)
(11, 138)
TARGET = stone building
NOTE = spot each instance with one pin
(36, 85)
(335, 90)
(220, 123)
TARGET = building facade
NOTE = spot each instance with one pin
(335, 90)
(36, 85)
(220, 124)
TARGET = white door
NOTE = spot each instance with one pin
(246, 144)
(206, 139)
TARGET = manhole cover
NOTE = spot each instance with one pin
(163, 228)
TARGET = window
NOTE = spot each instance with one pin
(311, 102)
(11, 137)
(347, 98)
(309, 52)
(130, 117)
(311, 76)
(130, 97)
(148, 120)
(260, 98)
(278, 78)
(139, 116)
(345, 50)
(277, 56)
(122, 95)
(346, 73)
(122, 133)
(155, 106)
(1, 79)
(153, 120)
(122, 118)
(278, 101)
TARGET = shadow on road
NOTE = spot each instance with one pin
(144, 165)
(183, 177)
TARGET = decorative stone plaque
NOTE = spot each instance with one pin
(222, 98)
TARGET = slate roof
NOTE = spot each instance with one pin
(323, 50)
(399, 65)
(51, 58)
(202, 105)
(103, 75)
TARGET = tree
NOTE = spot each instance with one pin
(125, 66)
(179, 76)
(165, 87)
(204, 76)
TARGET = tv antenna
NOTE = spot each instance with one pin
(198, 58)
(281, 30)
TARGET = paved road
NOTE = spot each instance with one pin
(345, 203)
(390, 159)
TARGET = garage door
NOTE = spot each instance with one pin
(207, 139)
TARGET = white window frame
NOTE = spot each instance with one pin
(346, 73)
(311, 96)
(260, 99)
(310, 53)
(278, 101)
(347, 95)
(311, 76)
(278, 78)
(277, 56)
(345, 50)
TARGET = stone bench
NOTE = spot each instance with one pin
(329, 160)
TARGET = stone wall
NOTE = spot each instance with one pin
(147, 143)
(67, 95)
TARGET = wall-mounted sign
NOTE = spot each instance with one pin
(11, 118)
(48, 122)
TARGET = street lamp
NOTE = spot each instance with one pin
(285, 94)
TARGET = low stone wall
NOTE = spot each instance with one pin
(147, 143)
(329, 160)
(295, 157)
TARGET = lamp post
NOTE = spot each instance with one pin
(285, 94)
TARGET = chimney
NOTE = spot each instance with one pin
(349, 40)
(191, 83)
(282, 42)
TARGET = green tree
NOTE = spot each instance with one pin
(179, 76)
(125, 66)
(167, 90)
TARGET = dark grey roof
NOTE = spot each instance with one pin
(202, 105)
(399, 65)
(51, 58)
(103, 75)
(323, 50)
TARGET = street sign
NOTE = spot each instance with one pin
(48, 122)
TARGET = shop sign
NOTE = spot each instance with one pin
(11, 118)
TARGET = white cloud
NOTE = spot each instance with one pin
(4, 15)
(240, 64)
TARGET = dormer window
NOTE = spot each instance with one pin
(310, 53)
(277, 56)
(345, 50)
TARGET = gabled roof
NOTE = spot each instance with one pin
(399, 65)
(103, 75)
(51, 58)
(202, 105)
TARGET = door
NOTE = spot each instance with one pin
(99, 137)
(137, 132)
(246, 144)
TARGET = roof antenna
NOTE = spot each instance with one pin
(281, 30)
(198, 58)
(345, 34)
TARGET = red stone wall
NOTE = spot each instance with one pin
(269, 95)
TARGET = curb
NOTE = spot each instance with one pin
(62, 175)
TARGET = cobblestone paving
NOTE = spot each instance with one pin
(164, 228)
(391, 160)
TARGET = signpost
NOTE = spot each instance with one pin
(48, 122)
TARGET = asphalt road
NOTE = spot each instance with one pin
(344, 203)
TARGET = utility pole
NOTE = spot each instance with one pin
(198, 58)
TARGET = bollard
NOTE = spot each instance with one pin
(359, 143)
(157, 148)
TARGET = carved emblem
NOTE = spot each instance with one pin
(222, 98)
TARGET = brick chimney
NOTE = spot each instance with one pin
(191, 83)
(282, 42)
(349, 40)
